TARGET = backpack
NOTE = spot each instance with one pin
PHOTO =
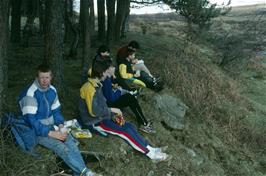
(25, 137)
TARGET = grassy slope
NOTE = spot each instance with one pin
(224, 132)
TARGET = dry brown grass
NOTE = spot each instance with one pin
(211, 95)
(256, 64)
(190, 77)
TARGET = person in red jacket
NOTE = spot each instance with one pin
(138, 66)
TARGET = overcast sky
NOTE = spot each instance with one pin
(165, 8)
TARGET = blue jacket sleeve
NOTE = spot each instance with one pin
(39, 128)
(58, 118)
(29, 107)
(108, 92)
(56, 111)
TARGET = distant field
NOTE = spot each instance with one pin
(238, 10)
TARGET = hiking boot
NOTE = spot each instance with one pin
(134, 93)
(150, 122)
(147, 128)
(158, 79)
(158, 86)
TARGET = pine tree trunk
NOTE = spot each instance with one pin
(82, 11)
(3, 53)
(74, 29)
(75, 40)
(68, 18)
(101, 19)
(81, 15)
(120, 15)
(31, 8)
(54, 36)
(41, 15)
(15, 21)
(125, 24)
(86, 39)
(92, 17)
(110, 19)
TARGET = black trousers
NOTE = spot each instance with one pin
(128, 100)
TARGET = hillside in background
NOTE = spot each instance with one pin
(220, 76)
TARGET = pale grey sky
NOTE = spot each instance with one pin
(165, 8)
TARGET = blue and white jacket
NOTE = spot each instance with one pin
(40, 108)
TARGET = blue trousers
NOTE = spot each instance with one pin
(67, 151)
(126, 132)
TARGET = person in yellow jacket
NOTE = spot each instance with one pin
(98, 117)
(127, 73)
(129, 76)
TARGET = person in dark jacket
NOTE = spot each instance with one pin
(103, 53)
(40, 108)
(120, 98)
(96, 115)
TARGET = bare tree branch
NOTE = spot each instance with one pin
(147, 2)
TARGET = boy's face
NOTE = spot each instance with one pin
(44, 79)
(111, 70)
(132, 56)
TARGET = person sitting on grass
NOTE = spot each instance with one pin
(97, 116)
(40, 108)
(122, 52)
(137, 64)
(103, 53)
(135, 78)
(120, 98)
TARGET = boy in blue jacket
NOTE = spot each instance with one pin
(40, 108)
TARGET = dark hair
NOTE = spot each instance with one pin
(133, 45)
(99, 58)
(102, 49)
(44, 68)
(109, 62)
(98, 68)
